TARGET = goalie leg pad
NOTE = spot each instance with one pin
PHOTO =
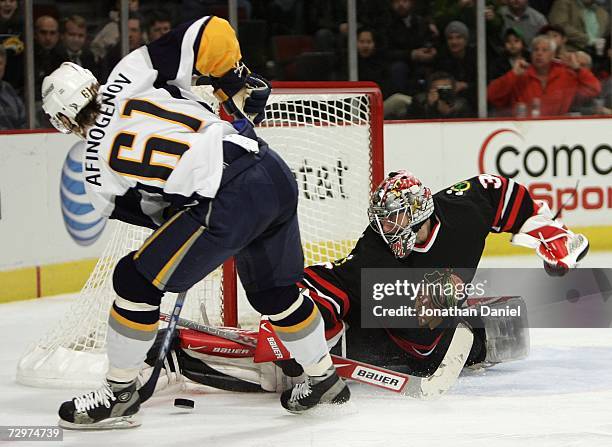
(501, 338)
(199, 371)
(507, 338)
(231, 374)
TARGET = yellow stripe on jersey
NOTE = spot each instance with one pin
(219, 50)
(132, 324)
(299, 326)
(156, 233)
(167, 270)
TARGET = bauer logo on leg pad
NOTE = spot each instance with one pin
(379, 378)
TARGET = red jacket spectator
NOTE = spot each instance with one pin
(556, 84)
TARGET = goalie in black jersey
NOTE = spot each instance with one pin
(411, 227)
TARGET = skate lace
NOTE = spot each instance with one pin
(103, 395)
(301, 390)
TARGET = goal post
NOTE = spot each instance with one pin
(331, 136)
(363, 94)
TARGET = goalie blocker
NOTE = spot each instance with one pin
(229, 365)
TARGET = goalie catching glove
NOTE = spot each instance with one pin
(559, 248)
(242, 94)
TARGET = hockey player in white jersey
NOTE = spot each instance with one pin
(156, 156)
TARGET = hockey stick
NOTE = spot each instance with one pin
(419, 387)
(146, 391)
(564, 204)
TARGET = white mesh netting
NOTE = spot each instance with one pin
(326, 139)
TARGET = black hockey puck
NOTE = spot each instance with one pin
(187, 404)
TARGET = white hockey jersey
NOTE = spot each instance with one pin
(154, 140)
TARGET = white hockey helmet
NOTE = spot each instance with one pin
(64, 94)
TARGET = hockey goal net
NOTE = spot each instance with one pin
(330, 134)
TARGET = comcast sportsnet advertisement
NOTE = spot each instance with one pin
(563, 162)
(562, 165)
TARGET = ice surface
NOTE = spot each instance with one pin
(560, 396)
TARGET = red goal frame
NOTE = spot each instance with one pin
(230, 277)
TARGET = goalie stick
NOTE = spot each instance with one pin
(419, 387)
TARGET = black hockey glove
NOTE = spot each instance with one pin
(255, 103)
(243, 94)
(232, 82)
(250, 103)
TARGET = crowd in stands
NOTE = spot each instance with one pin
(544, 57)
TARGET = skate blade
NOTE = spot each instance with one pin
(122, 422)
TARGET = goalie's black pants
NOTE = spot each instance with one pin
(415, 351)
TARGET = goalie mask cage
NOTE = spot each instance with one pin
(331, 136)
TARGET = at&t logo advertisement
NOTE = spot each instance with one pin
(83, 222)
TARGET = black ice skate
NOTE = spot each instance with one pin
(114, 405)
(325, 389)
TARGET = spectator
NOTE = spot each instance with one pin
(445, 11)
(459, 59)
(74, 37)
(10, 19)
(11, 29)
(371, 61)
(558, 35)
(604, 105)
(551, 85)
(542, 6)
(518, 14)
(113, 55)
(47, 55)
(158, 24)
(584, 21)
(589, 106)
(12, 111)
(327, 21)
(108, 36)
(514, 48)
(439, 100)
(584, 59)
(410, 43)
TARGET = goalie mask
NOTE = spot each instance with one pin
(65, 92)
(398, 208)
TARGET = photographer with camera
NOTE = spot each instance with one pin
(439, 100)
(458, 58)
